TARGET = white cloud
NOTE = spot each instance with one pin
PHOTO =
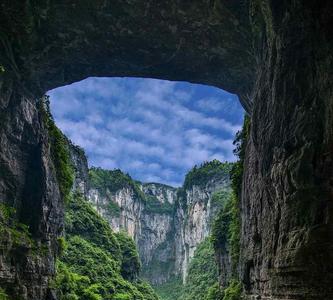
(155, 130)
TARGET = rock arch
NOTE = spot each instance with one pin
(275, 55)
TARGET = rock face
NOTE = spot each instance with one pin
(287, 188)
(29, 189)
(166, 223)
(80, 164)
(276, 55)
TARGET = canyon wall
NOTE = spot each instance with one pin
(167, 223)
(276, 55)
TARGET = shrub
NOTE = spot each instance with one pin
(3, 295)
(59, 151)
(202, 272)
(112, 181)
(97, 263)
(113, 209)
(233, 291)
(130, 265)
(200, 175)
(214, 293)
(153, 205)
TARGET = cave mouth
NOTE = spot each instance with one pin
(159, 156)
(155, 130)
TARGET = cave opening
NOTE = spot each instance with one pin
(156, 134)
(142, 125)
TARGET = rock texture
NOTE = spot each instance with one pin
(80, 166)
(276, 55)
(287, 189)
(166, 223)
(28, 187)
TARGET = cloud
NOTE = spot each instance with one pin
(155, 130)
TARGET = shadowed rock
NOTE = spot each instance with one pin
(276, 55)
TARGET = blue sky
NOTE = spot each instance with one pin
(155, 130)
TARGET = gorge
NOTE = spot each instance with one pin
(275, 55)
(167, 223)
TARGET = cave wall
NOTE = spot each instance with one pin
(28, 188)
(287, 190)
(276, 55)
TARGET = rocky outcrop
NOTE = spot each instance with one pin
(276, 55)
(80, 166)
(166, 223)
(31, 214)
(286, 250)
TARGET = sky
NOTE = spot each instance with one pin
(155, 130)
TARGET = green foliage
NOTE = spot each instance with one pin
(214, 293)
(59, 152)
(89, 260)
(2, 70)
(113, 209)
(220, 198)
(113, 180)
(234, 232)
(200, 175)
(202, 273)
(70, 285)
(201, 283)
(233, 291)
(130, 265)
(6, 212)
(97, 263)
(238, 167)
(153, 205)
(11, 230)
(226, 228)
(170, 290)
(236, 185)
(145, 289)
(62, 245)
(220, 230)
(3, 295)
(82, 219)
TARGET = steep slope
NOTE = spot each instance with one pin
(97, 263)
(202, 280)
(276, 55)
(166, 223)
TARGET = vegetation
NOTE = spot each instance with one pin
(112, 181)
(233, 291)
(238, 167)
(130, 264)
(200, 175)
(3, 295)
(11, 230)
(153, 205)
(220, 198)
(97, 263)
(214, 292)
(202, 280)
(227, 225)
(59, 151)
(202, 273)
(82, 220)
(113, 209)
(170, 290)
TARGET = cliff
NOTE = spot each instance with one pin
(276, 55)
(167, 223)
